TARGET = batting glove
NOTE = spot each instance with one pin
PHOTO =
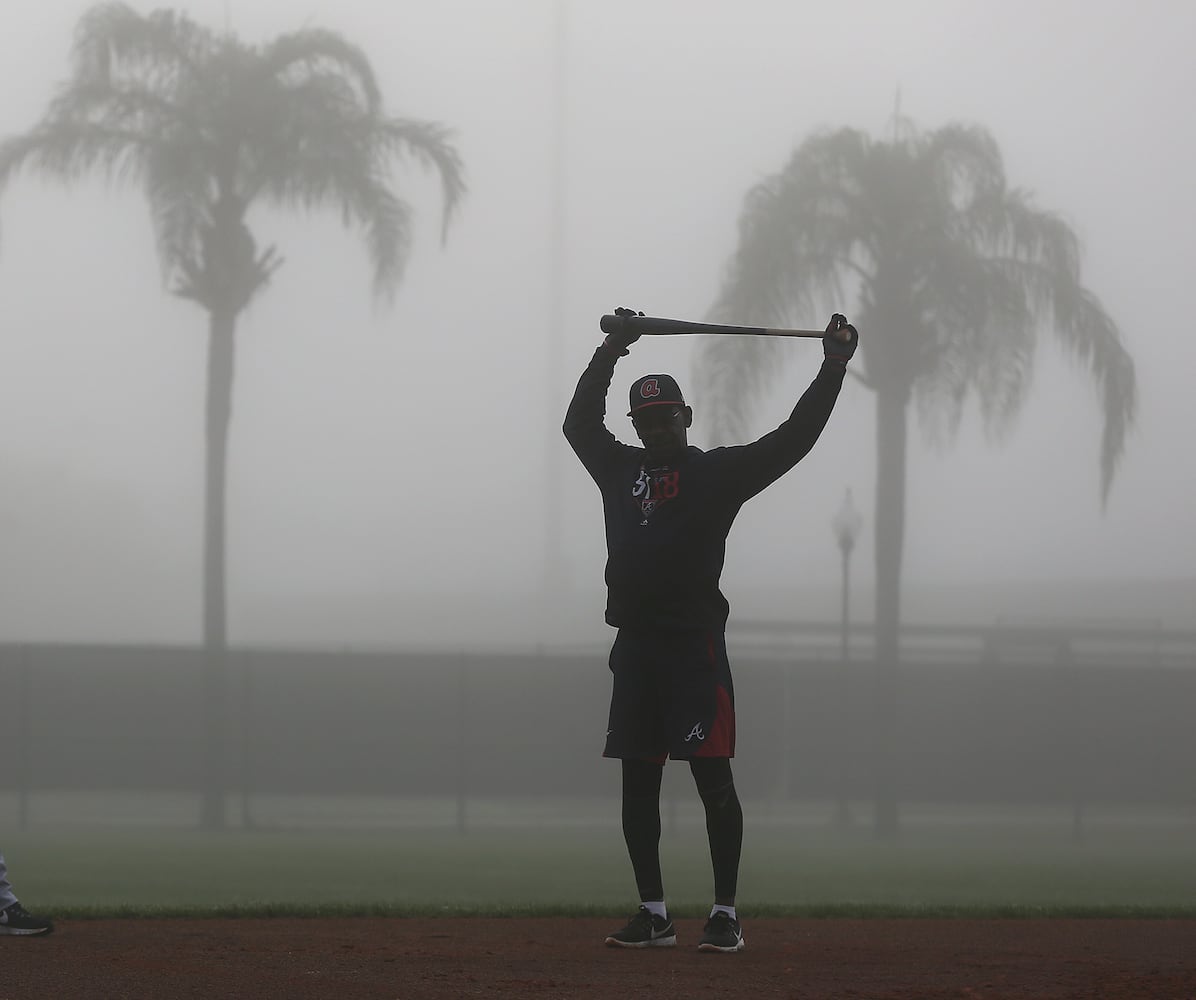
(624, 338)
(840, 341)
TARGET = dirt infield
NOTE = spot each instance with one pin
(422, 959)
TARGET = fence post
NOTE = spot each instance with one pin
(24, 707)
(462, 749)
(247, 711)
(844, 729)
(784, 780)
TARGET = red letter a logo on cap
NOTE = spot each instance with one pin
(650, 388)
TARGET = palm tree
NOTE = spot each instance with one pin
(955, 276)
(208, 126)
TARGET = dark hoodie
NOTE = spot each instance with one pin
(666, 527)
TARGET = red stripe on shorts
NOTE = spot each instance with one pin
(721, 741)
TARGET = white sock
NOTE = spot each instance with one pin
(657, 907)
(728, 910)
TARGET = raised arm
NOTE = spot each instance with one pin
(585, 420)
(762, 462)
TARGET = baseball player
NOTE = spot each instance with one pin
(668, 507)
(14, 918)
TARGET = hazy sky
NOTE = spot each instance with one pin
(383, 452)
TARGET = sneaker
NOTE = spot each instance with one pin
(644, 930)
(721, 933)
(16, 919)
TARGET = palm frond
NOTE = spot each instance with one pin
(963, 161)
(1091, 337)
(322, 152)
(429, 143)
(387, 224)
(797, 237)
(68, 150)
(112, 39)
(314, 51)
(731, 376)
(1041, 254)
(978, 338)
(793, 240)
(334, 175)
(178, 185)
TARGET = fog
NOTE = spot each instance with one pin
(394, 470)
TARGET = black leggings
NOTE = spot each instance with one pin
(641, 823)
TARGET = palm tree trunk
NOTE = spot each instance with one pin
(890, 532)
(221, 327)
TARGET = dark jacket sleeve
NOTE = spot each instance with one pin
(585, 426)
(752, 467)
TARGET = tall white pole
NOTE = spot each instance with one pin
(555, 578)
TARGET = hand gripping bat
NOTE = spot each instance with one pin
(652, 326)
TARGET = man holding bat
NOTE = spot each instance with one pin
(668, 507)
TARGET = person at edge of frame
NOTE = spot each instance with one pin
(14, 918)
(668, 507)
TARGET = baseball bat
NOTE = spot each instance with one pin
(653, 326)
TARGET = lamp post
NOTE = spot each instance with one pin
(847, 524)
(555, 573)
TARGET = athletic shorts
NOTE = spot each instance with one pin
(672, 696)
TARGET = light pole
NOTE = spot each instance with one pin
(554, 572)
(847, 524)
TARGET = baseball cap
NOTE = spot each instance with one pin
(655, 390)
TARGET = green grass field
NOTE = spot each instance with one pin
(394, 857)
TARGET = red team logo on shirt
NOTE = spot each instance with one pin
(654, 486)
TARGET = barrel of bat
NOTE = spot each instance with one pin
(655, 326)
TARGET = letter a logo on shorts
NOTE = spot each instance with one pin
(696, 733)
